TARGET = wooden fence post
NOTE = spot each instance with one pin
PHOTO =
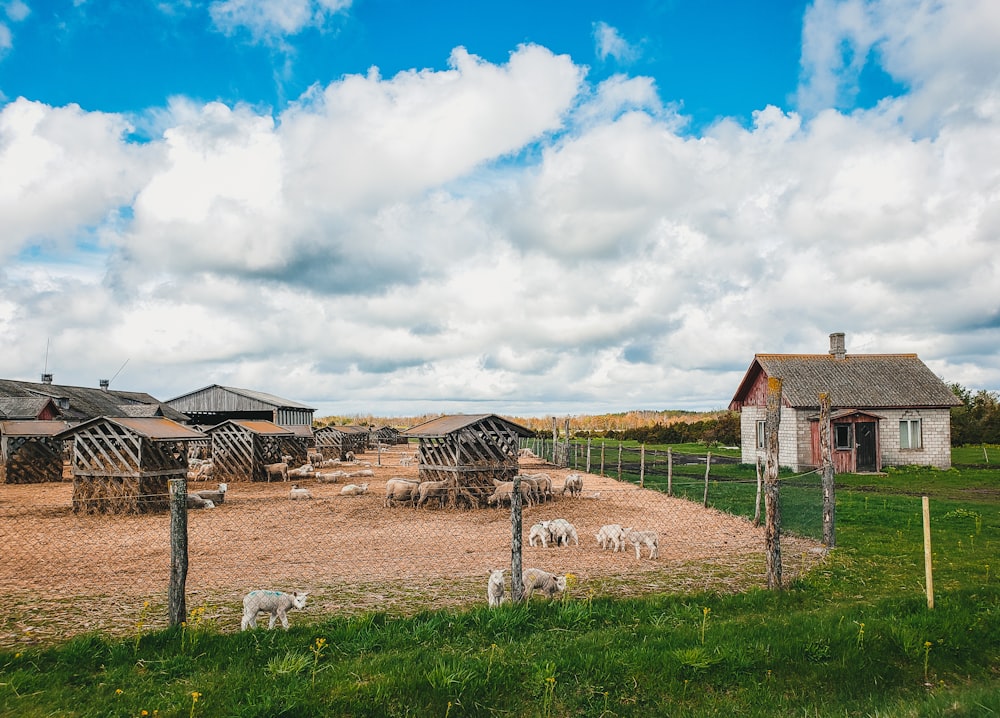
(642, 465)
(619, 461)
(772, 491)
(602, 458)
(176, 608)
(928, 569)
(670, 471)
(829, 498)
(588, 454)
(708, 469)
(760, 479)
(516, 580)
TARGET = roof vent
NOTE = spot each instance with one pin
(46, 378)
(104, 384)
(838, 345)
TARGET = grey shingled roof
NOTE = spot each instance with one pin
(86, 402)
(22, 407)
(857, 380)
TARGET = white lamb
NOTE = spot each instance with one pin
(278, 472)
(562, 531)
(573, 484)
(637, 538)
(297, 493)
(196, 502)
(540, 532)
(302, 472)
(536, 579)
(216, 496)
(277, 603)
(354, 490)
(611, 536)
(494, 588)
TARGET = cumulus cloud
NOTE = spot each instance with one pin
(608, 42)
(271, 19)
(13, 11)
(505, 236)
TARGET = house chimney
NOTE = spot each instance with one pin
(105, 383)
(46, 378)
(837, 345)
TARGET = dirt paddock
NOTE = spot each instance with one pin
(64, 573)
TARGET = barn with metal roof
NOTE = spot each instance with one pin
(215, 404)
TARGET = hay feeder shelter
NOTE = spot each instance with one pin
(473, 449)
(30, 453)
(121, 465)
(336, 441)
(242, 447)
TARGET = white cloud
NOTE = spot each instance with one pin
(377, 247)
(15, 11)
(269, 19)
(609, 42)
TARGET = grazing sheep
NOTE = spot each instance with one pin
(544, 484)
(314, 457)
(440, 490)
(494, 588)
(503, 491)
(562, 531)
(302, 472)
(573, 484)
(277, 603)
(196, 502)
(277, 471)
(216, 496)
(354, 490)
(536, 579)
(611, 536)
(401, 491)
(297, 493)
(540, 532)
(637, 538)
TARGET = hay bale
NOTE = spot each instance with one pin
(120, 494)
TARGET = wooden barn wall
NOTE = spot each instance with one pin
(31, 460)
(217, 399)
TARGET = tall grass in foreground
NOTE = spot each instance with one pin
(852, 638)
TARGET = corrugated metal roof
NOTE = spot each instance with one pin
(444, 425)
(299, 430)
(257, 426)
(155, 429)
(857, 380)
(32, 428)
(188, 400)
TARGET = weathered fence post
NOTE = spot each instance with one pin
(928, 568)
(708, 469)
(588, 454)
(760, 479)
(516, 581)
(772, 491)
(602, 458)
(642, 465)
(670, 471)
(176, 608)
(829, 498)
(619, 461)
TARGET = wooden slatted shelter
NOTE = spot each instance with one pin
(121, 465)
(388, 436)
(242, 447)
(298, 445)
(30, 453)
(336, 441)
(474, 449)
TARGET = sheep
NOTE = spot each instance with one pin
(200, 469)
(573, 484)
(534, 488)
(314, 457)
(494, 588)
(535, 579)
(360, 474)
(349, 456)
(504, 490)
(329, 477)
(562, 531)
(544, 485)
(637, 538)
(196, 502)
(302, 472)
(401, 491)
(297, 493)
(278, 471)
(541, 532)
(216, 496)
(611, 536)
(440, 490)
(354, 490)
(277, 603)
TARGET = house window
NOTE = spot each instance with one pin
(842, 437)
(761, 437)
(909, 434)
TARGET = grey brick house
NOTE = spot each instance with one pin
(887, 409)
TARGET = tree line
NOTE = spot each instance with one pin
(977, 420)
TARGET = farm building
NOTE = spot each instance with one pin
(242, 447)
(388, 436)
(887, 409)
(475, 449)
(75, 404)
(215, 404)
(30, 453)
(299, 444)
(336, 441)
(122, 464)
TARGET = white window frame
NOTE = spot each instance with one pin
(850, 437)
(910, 434)
(761, 435)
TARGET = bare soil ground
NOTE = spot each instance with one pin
(63, 573)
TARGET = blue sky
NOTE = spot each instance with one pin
(531, 208)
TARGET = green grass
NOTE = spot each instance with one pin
(854, 637)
